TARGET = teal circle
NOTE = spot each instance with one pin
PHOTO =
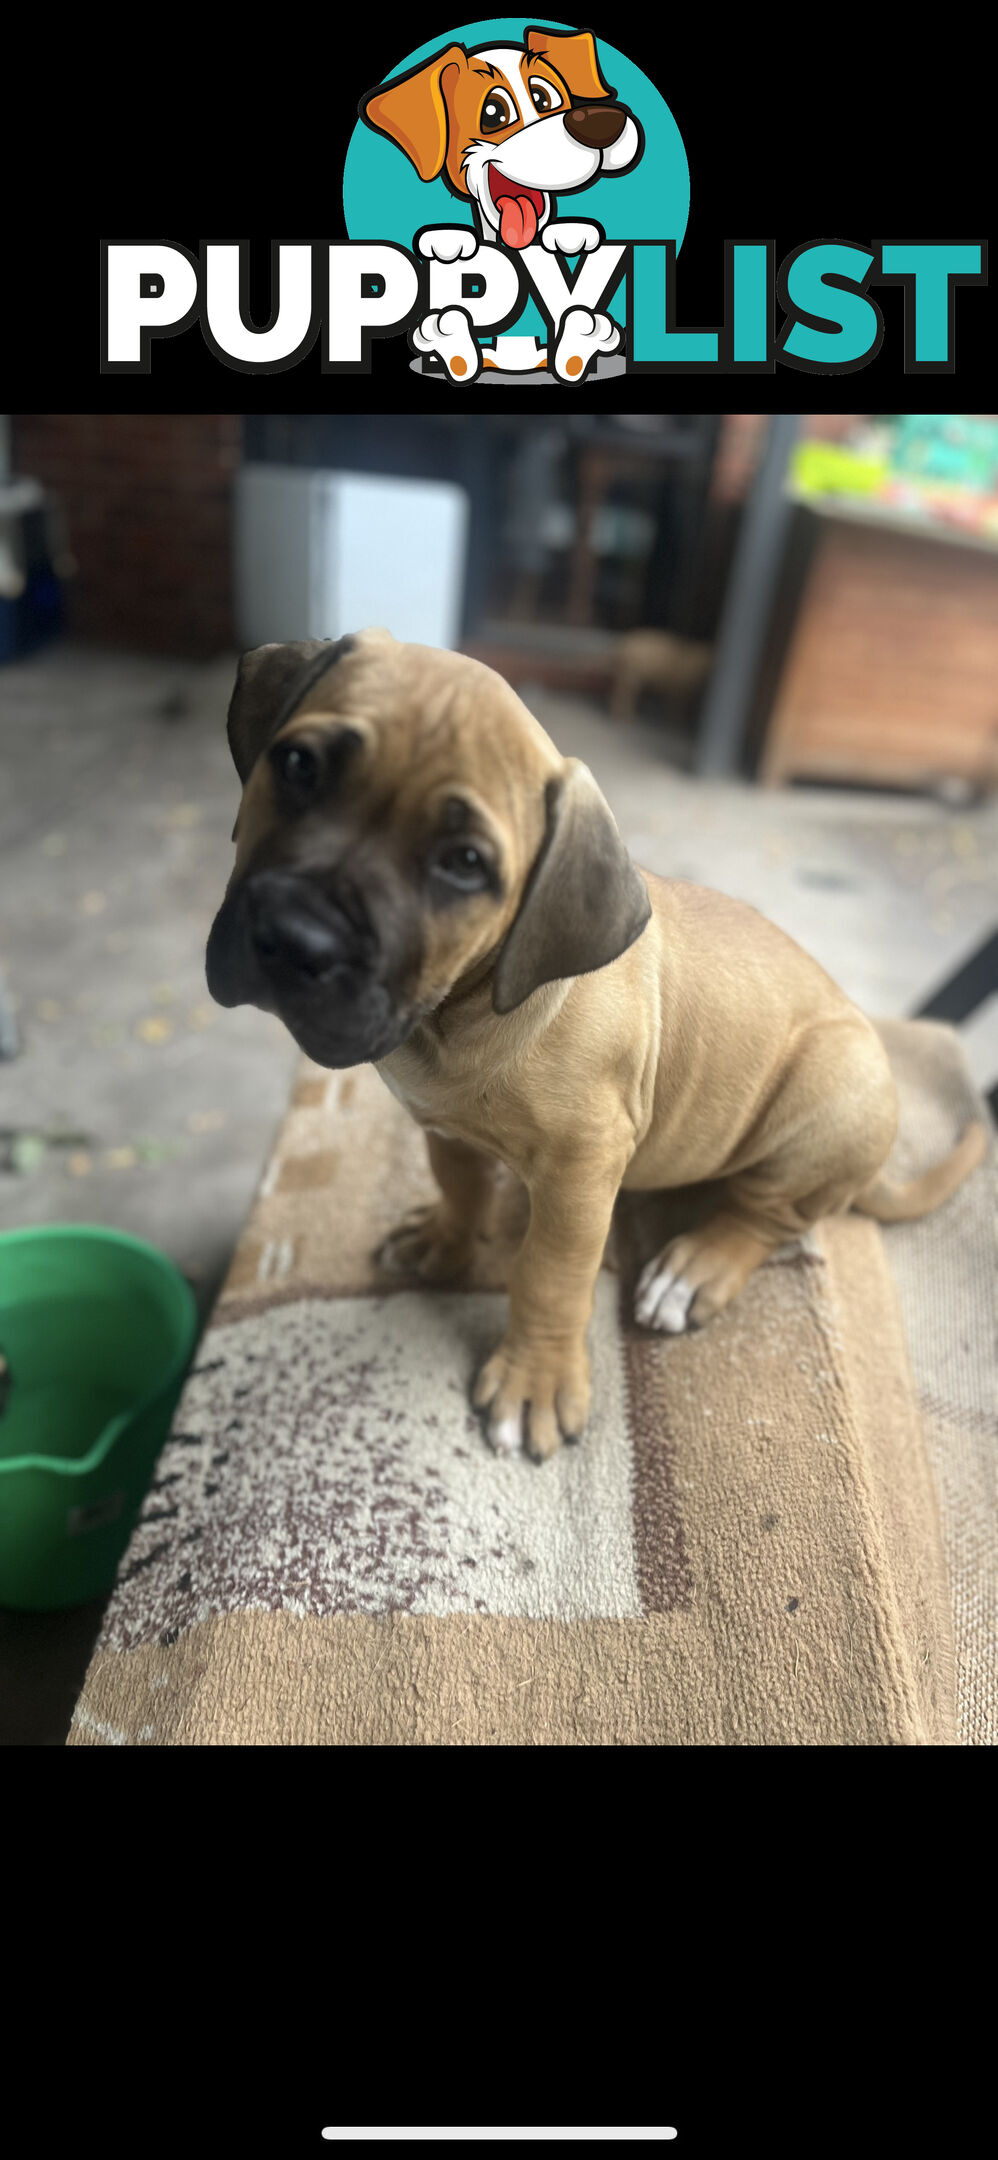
(384, 198)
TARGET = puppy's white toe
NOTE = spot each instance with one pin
(663, 1300)
(672, 1311)
(582, 337)
(506, 1436)
(652, 1283)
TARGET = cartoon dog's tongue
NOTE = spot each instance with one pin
(517, 221)
(519, 209)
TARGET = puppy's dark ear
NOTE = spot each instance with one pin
(584, 902)
(270, 683)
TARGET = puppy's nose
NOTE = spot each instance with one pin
(596, 126)
(295, 930)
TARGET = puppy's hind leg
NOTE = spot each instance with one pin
(831, 1126)
(696, 1275)
(436, 1242)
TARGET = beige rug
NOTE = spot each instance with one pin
(748, 1548)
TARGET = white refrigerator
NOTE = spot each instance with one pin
(320, 553)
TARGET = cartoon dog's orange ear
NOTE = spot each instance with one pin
(412, 111)
(573, 54)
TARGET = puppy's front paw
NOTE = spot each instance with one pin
(427, 1243)
(533, 1398)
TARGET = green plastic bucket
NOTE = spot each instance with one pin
(97, 1330)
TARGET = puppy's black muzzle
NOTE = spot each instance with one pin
(314, 955)
(301, 938)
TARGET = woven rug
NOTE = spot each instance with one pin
(750, 1546)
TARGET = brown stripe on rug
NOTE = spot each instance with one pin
(781, 1491)
(664, 1576)
(264, 1679)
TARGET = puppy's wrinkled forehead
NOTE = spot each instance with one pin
(426, 721)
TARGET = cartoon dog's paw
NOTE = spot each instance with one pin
(449, 336)
(447, 243)
(533, 1397)
(568, 237)
(427, 1243)
(581, 339)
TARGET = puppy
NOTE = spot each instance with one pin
(423, 882)
(510, 128)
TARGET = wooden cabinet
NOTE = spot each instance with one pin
(890, 672)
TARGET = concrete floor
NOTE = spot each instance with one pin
(137, 1103)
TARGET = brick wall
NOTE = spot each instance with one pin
(148, 505)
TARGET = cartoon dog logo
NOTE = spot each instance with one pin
(511, 128)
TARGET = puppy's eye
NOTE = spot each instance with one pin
(462, 867)
(542, 94)
(496, 113)
(297, 767)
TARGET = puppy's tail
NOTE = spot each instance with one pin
(902, 1203)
